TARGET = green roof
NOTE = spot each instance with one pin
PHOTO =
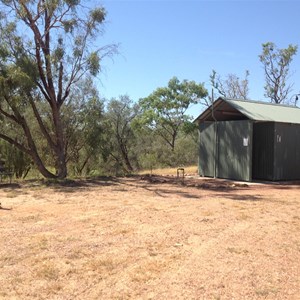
(253, 110)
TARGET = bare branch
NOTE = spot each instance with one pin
(14, 143)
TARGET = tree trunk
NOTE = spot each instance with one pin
(174, 135)
(41, 167)
(127, 162)
(125, 156)
(59, 149)
(33, 150)
(57, 146)
(80, 170)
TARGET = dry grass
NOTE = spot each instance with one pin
(135, 239)
(171, 171)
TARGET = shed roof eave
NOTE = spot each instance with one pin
(255, 111)
(209, 112)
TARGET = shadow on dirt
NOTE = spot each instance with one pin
(10, 186)
(4, 208)
(66, 185)
(155, 183)
(71, 186)
(242, 197)
(281, 185)
(207, 184)
(219, 186)
(165, 193)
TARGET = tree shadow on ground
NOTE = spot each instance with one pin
(288, 184)
(155, 183)
(287, 187)
(185, 188)
(4, 208)
(66, 185)
(164, 193)
(217, 185)
(9, 186)
(242, 197)
(71, 186)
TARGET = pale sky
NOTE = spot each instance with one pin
(161, 39)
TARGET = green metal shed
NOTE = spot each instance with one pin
(248, 140)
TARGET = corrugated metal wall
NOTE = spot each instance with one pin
(247, 150)
(263, 151)
(287, 152)
(235, 150)
(206, 149)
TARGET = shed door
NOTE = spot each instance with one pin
(263, 151)
(287, 152)
(206, 149)
(235, 150)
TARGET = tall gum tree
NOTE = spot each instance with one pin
(232, 86)
(120, 115)
(164, 110)
(276, 63)
(46, 48)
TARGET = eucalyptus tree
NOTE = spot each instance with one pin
(165, 109)
(46, 48)
(15, 160)
(232, 86)
(83, 119)
(276, 63)
(120, 136)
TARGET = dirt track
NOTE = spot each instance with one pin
(150, 238)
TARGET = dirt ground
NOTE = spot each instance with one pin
(149, 238)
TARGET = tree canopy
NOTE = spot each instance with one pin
(232, 87)
(165, 109)
(46, 48)
(276, 63)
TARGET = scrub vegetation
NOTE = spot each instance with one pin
(52, 119)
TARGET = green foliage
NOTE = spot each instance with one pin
(94, 63)
(153, 152)
(69, 25)
(164, 110)
(98, 14)
(83, 122)
(39, 71)
(276, 63)
(119, 148)
(166, 136)
(72, 3)
(15, 160)
(189, 128)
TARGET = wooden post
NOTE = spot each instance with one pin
(180, 170)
